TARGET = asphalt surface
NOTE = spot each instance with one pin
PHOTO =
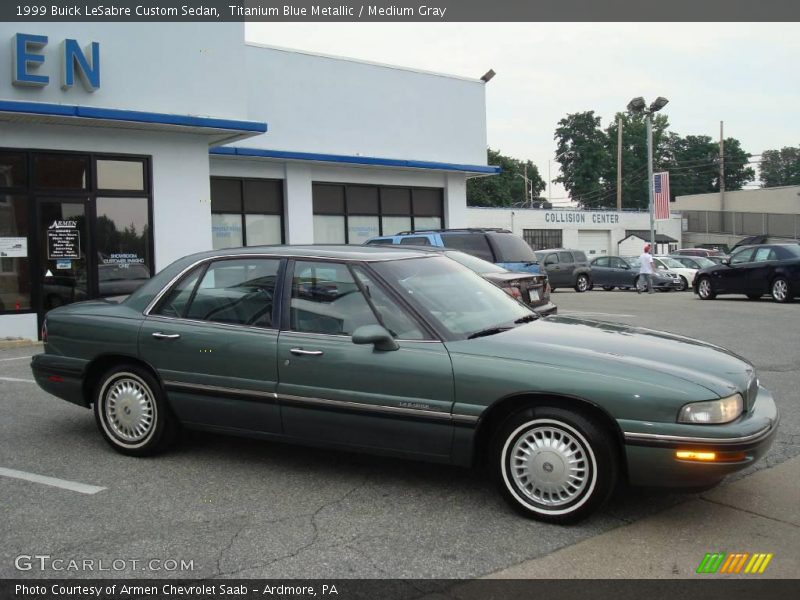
(242, 508)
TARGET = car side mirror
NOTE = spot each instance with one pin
(726, 261)
(376, 335)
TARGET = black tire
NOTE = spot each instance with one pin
(608, 288)
(704, 289)
(684, 284)
(598, 464)
(582, 283)
(144, 424)
(781, 290)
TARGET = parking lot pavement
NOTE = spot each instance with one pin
(231, 507)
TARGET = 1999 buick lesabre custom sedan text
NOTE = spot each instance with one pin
(408, 353)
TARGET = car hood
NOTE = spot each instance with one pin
(617, 350)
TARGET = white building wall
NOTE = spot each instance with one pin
(571, 223)
(780, 200)
(331, 105)
(178, 68)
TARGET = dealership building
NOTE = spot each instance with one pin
(124, 147)
(597, 233)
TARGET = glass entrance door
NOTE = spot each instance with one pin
(65, 274)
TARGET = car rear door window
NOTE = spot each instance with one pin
(236, 292)
(764, 254)
(326, 299)
(471, 243)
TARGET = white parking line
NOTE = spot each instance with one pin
(593, 314)
(17, 380)
(15, 358)
(74, 486)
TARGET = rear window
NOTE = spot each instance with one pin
(512, 249)
(579, 256)
(471, 243)
(415, 241)
(379, 241)
(565, 257)
(478, 265)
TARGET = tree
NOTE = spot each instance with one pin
(693, 164)
(634, 159)
(508, 187)
(581, 152)
(780, 167)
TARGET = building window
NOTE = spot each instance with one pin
(352, 214)
(246, 212)
(72, 226)
(543, 239)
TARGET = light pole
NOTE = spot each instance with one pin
(528, 188)
(550, 181)
(638, 105)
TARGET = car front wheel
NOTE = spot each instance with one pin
(781, 292)
(131, 412)
(582, 283)
(684, 284)
(554, 465)
(704, 289)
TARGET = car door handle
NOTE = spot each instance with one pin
(166, 336)
(301, 352)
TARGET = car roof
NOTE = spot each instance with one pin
(340, 251)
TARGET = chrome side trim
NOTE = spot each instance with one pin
(671, 439)
(201, 387)
(394, 410)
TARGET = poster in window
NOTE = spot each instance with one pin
(13, 247)
(63, 240)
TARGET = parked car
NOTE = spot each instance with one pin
(532, 289)
(566, 268)
(611, 272)
(707, 252)
(751, 240)
(694, 262)
(664, 280)
(498, 246)
(754, 271)
(407, 353)
(686, 274)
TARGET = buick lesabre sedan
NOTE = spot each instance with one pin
(406, 353)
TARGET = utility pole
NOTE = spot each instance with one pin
(649, 119)
(721, 169)
(619, 164)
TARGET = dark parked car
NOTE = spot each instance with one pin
(533, 290)
(407, 353)
(498, 246)
(566, 268)
(611, 272)
(754, 271)
(707, 252)
(694, 262)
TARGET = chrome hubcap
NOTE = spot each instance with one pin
(780, 289)
(130, 410)
(704, 288)
(582, 283)
(549, 466)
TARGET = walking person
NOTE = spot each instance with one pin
(645, 271)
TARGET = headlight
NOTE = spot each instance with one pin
(723, 410)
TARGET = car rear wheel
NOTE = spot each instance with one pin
(704, 289)
(608, 288)
(582, 283)
(553, 465)
(684, 284)
(781, 291)
(131, 411)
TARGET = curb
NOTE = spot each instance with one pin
(8, 344)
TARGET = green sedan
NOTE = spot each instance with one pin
(406, 353)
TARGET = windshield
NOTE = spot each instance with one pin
(633, 261)
(703, 262)
(510, 248)
(457, 299)
(671, 263)
(474, 263)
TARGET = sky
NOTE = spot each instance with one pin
(745, 74)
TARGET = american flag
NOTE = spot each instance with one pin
(661, 195)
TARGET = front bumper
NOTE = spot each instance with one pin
(651, 456)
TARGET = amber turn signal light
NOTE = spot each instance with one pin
(706, 456)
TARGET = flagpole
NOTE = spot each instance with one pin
(651, 203)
